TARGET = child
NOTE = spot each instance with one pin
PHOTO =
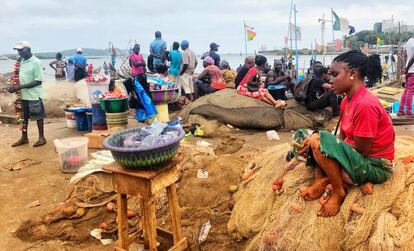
(113, 89)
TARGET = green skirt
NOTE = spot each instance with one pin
(360, 169)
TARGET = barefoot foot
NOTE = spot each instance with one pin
(315, 190)
(333, 205)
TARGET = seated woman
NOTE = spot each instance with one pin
(363, 152)
(252, 86)
(215, 80)
(229, 74)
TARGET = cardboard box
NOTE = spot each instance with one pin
(96, 138)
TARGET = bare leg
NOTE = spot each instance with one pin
(24, 139)
(264, 99)
(315, 190)
(41, 141)
(333, 171)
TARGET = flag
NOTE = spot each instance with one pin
(338, 44)
(297, 35)
(380, 41)
(340, 24)
(249, 32)
(318, 47)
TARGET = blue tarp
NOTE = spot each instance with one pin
(149, 110)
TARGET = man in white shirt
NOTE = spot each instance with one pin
(406, 102)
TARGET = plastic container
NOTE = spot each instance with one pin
(95, 89)
(117, 121)
(162, 96)
(70, 118)
(89, 118)
(72, 153)
(81, 120)
(98, 118)
(115, 105)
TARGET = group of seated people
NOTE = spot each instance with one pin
(271, 88)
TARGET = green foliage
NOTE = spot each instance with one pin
(367, 36)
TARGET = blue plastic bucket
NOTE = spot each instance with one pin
(98, 118)
(81, 120)
(89, 117)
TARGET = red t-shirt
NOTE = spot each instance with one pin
(136, 70)
(363, 116)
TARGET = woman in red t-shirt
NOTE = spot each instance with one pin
(363, 152)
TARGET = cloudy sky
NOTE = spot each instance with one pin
(53, 25)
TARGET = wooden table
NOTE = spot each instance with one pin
(147, 184)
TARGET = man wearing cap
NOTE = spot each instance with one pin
(213, 53)
(189, 64)
(30, 77)
(157, 49)
(80, 63)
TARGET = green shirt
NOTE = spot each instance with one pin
(31, 70)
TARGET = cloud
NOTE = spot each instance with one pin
(52, 25)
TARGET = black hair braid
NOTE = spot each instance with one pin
(374, 68)
(367, 66)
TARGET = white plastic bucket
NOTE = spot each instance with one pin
(72, 153)
(70, 119)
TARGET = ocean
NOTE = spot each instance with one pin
(234, 59)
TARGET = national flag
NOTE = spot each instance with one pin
(296, 35)
(380, 40)
(340, 24)
(249, 32)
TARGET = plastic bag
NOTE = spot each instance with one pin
(149, 110)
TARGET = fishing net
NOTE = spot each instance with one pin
(387, 223)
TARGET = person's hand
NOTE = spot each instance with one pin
(303, 150)
(13, 89)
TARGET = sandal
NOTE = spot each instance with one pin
(21, 141)
(40, 142)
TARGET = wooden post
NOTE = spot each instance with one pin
(175, 213)
(122, 220)
(151, 223)
(399, 64)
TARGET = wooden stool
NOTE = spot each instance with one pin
(147, 184)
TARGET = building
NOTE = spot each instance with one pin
(378, 27)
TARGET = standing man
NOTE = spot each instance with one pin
(213, 53)
(30, 77)
(406, 102)
(157, 49)
(80, 63)
(248, 63)
(176, 58)
(187, 70)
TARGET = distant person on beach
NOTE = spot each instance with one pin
(90, 69)
(251, 85)
(59, 65)
(187, 70)
(176, 58)
(80, 63)
(105, 68)
(137, 64)
(248, 63)
(157, 49)
(278, 81)
(70, 70)
(30, 77)
(229, 74)
(213, 53)
(210, 79)
(363, 152)
(406, 102)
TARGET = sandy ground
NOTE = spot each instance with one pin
(40, 178)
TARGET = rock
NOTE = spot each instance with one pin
(229, 107)
(35, 203)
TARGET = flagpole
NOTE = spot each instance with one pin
(333, 34)
(245, 38)
(296, 42)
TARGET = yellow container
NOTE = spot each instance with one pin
(162, 115)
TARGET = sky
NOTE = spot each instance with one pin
(55, 25)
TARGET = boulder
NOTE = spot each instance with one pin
(229, 107)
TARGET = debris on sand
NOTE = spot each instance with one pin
(35, 203)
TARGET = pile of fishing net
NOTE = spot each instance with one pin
(284, 221)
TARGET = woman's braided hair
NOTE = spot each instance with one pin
(369, 67)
